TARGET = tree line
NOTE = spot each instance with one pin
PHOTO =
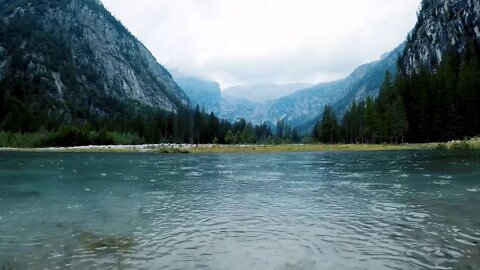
(187, 125)
(424, 106)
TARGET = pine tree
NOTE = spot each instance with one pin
(469, 96)
(212, 127)
(197, 125)
(402, 125)
(397, 120)
(371, 121)
(229, 137)
(280, 129)
(329, 129)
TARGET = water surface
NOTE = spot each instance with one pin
(366, 210)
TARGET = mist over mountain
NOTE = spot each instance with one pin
(443, 27)
(302, 107)
(208, 95)
(205, 93)
(262, 92)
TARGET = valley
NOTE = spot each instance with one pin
(247, 134)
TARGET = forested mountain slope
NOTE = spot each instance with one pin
(70, 60)
(435, 96)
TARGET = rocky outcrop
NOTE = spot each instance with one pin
(442, 25)
(82, 55)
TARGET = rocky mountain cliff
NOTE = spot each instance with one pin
(73, 58)
(442, 25)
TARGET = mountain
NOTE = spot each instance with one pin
(442, 25)
(208, 96)
(441, 72)
(234, 109)
(367, 80)
(446, 31)
(302, 108)
(262, 92)
(72, 58)
(435, 95)
(205, 93)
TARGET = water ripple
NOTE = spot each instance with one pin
(284, 211)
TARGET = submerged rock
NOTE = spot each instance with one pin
(18, 193)
(302, 264)
(471, 261)
(6, 266)
(94, 242)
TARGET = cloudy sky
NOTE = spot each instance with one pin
(248, 41)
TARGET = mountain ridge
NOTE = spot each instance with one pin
(83, 59)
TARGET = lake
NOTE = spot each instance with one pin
(332, 210)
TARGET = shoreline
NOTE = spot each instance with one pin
(216, 148)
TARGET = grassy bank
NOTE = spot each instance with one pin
(143, 148)
(471, 144)
(300, 148)
(201, 149)
(66, 136)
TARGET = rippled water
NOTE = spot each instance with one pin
(395, 210)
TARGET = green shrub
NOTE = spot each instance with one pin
(458, 145)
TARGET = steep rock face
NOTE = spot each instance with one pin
(442, 25)
(82, 58)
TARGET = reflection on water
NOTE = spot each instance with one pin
(395, 210)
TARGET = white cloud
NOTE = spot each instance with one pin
(243, 41)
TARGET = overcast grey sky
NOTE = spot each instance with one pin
(247, 41)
